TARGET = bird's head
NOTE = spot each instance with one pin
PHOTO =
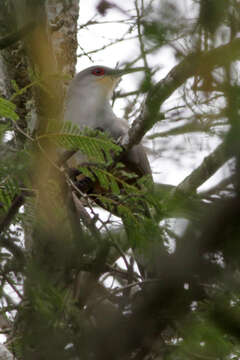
(102, 78)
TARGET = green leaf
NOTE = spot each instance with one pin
(96, 145)
(21, 91)
(8, 190)
(15, 85)
(108, 180)
(3, 129)
(7, 109)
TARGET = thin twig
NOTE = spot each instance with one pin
(192, 65)
(10, 282)
(140, 37)
(83, 214)
(17, 202)
(107, 46)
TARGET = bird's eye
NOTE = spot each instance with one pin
(98, 72)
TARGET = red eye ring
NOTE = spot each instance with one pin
(98, 72)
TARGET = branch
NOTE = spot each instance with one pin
(17, 252)
(208, 167)
(17, 35)
(106, 46)
(118, 94)
(85, 217)
(221, 186)
(189, 127)
(193, 64)
(5, 353)
(65, 156)
(140, 37)
(16, 204)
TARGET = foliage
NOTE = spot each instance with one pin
(96, 145)
(7, 109)
(160, 279)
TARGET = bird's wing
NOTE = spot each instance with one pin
(137, 160)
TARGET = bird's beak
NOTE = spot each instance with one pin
(120, 72)
(111, 81)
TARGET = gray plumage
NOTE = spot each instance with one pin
(88, 104)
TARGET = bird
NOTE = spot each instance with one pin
(88, 105)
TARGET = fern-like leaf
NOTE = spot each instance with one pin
(8, 190)
(109, 180)
(7, 109)
(96, 145)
